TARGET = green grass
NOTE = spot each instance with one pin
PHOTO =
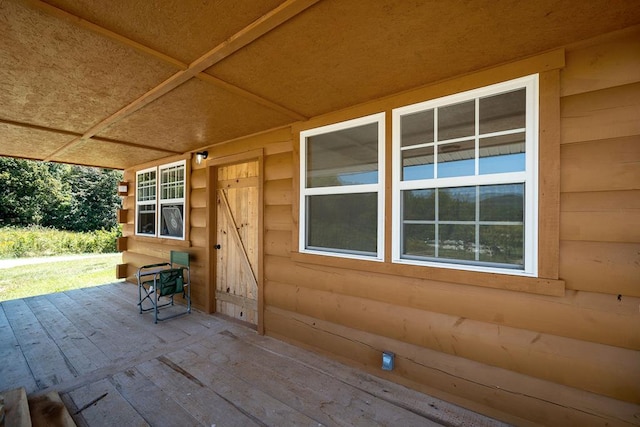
(41, 279)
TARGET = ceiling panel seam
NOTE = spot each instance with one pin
(242, 38)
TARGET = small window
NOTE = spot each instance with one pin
(161, 190)
(342, 178)
(465, 180)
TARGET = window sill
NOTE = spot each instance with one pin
(533, 285)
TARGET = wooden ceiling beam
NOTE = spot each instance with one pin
(250, 96)
(242, 38)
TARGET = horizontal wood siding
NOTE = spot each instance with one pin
(494, 350)
(567, 358)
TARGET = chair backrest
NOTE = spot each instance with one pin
(180, 258)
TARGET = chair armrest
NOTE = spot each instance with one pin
(146, 269)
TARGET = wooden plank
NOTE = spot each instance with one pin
(121, 244)
(145, 396)
(233, 231)
(579, 315)
(241, 301)
(198, 217)
(213, 371)
(278, 243)
(16, 408)
(603, 63)
(308, 390)
(534, 285)
(17, 373)
(278, 218)
(314, 365)
(198, 178)
(122, 216)
(202, 403)
(622, 225)
(198, 198)
(610, 268)
(47, 362)
(603, 114)
(603, 165)
(512, 397)
(238, 182)
(279, 166)
(278, 192)
(40, 410)
(549, 357)
(79, 352)
(104, 406)
(549, 175)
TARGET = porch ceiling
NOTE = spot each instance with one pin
(125, 82)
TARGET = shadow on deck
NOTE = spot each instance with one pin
(114, 366)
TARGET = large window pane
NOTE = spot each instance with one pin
(419, 240)
(417, 128)
(347, 222)
(502, 244)
(502, 203)
(171, 220)
(457, 241)
(457, 204)
(503, 112)
(457, 121)
(457, 159)
(417, 164)
(501, 154)
(146, 221)
(419, 205)
(344, 157)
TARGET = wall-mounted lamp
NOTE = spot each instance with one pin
(123, 188)
(201, 155)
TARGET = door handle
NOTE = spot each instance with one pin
(218, 247)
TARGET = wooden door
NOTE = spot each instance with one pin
(237, 252)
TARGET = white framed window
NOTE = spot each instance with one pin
(465, 180)
(341, 189)
(171, 204)
(160, 201)
(146, 189)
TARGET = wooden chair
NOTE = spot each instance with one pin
(164, 280)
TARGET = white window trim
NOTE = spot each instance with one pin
(530, 176)
(158, 202)
(162, 202)
(145, 202)
(378, 118)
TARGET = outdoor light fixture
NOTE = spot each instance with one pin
(123, 188)
(201, 155)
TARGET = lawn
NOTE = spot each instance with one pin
(40, 279)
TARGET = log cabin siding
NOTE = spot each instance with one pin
(570, 359)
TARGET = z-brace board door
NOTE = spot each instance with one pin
(237, 199)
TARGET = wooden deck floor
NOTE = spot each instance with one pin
(115, 367)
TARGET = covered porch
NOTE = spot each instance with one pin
(114, 366)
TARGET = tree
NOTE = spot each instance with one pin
(30, 194)
(74, 198)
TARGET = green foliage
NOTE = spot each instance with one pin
(66, 197)
(18, 242)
